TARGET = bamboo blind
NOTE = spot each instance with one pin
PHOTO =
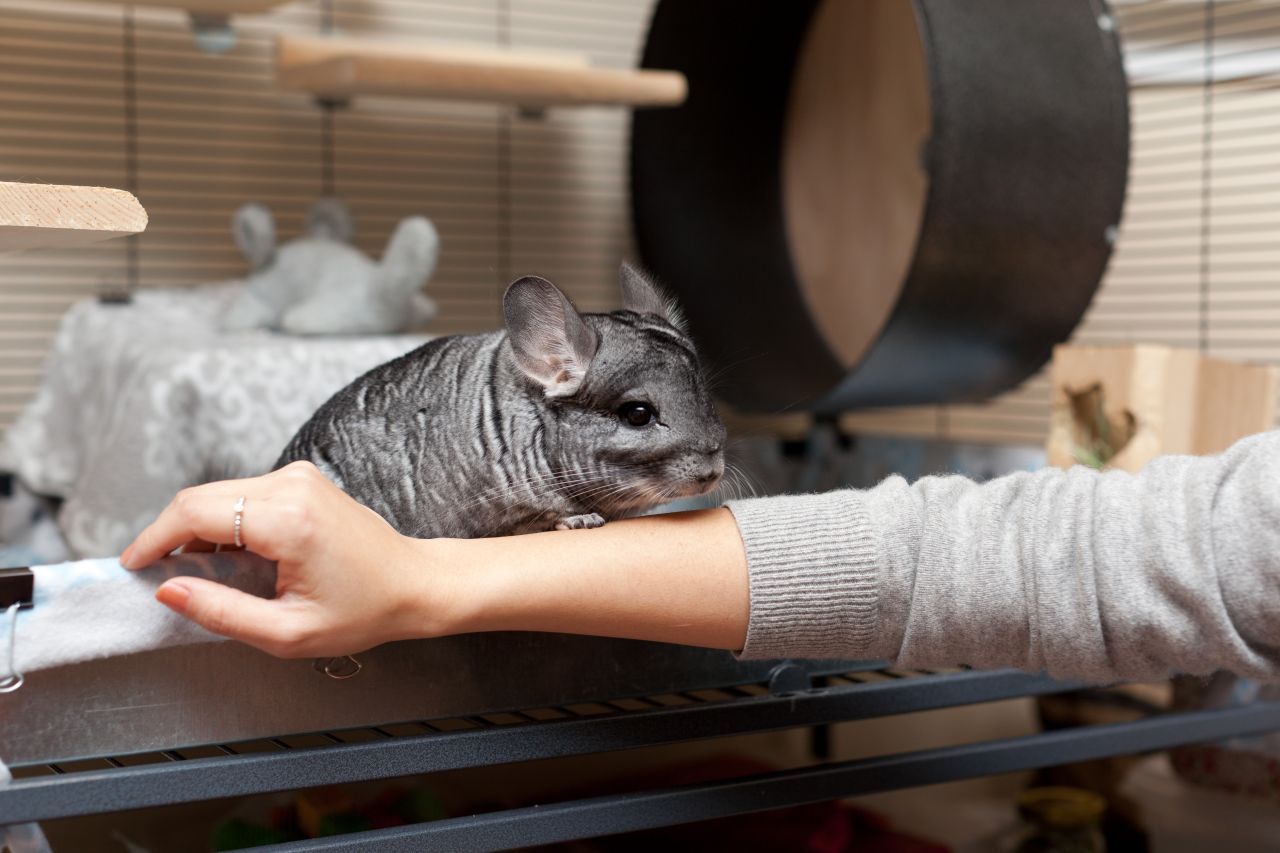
(196, 135)
(1195, 265)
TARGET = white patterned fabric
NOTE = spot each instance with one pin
(143, 399)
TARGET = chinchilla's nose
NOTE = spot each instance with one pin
(710, 472)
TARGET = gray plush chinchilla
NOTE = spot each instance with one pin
(562, 420)
(320, 284)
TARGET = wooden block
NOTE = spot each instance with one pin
(38, 216)
(1145, 401)
(1235, 400)
(208, 7)
(347, 66)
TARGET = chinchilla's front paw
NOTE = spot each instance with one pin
(581, 522)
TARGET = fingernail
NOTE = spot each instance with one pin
(124, 557)
(174, 594)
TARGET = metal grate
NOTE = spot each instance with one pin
(112, 783)
(117, 783)
(418, 728)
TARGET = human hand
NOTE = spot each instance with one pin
(346, 581)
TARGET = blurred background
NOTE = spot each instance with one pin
(95, 94)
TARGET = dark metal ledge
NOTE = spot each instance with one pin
(116, 787)
(577, 819)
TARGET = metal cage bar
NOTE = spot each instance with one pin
(70, 794)
(546, 824)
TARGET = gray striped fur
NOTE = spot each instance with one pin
(519, 430)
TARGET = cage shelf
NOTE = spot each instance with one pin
(207, 7)
(50, 216)
(340, 67)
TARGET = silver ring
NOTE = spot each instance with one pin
(239, 510)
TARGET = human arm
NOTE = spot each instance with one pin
(1098, 577)
(346, 581)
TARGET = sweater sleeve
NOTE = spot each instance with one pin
(1090, 576)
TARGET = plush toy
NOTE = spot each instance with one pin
(319, 284)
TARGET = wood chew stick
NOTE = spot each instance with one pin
(39, 216)
(344, 66)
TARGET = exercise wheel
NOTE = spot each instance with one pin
(881, 202)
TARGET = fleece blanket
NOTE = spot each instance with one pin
(95, 608)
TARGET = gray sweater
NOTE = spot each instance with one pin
(1099, 577)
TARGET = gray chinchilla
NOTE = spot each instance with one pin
(560, 420)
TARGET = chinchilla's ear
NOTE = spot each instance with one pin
(642, 296)
(254, 230)
(553, 345)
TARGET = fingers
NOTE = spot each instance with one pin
(208, 513)
(202, 514)
(199, 546)
(266, 624)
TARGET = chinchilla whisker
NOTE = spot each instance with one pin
(742, 478)
(728, 490)
(551, 482)
(605, 490)
(716, 375)
(516, 489)
(642, 490)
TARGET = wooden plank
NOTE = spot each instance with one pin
(207, 7)
(38, 216)
(347, 66)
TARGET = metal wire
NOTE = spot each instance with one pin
(1206, 176)
(13, 679)
(130, 138)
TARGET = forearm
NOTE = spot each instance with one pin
(1082, 575)
(679, 578)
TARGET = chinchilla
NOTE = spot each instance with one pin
(561, 420)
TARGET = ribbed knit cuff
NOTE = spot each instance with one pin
(813, 574)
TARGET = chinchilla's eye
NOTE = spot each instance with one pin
(637, 414)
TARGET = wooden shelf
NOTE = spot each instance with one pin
(49, 216)
(208, 7)
(347, 66)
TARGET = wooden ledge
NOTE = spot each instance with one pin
(40, 216)
(347, 66)
(207, 7)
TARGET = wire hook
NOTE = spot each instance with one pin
(11, 682)
(339, 668)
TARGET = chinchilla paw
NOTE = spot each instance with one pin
(581, 522)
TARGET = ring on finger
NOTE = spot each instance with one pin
(239, 520)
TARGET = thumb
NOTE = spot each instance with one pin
(223, 610)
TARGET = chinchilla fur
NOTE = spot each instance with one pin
(560, 420)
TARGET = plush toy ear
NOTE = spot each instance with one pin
(553, 345)
(254, 231)
(330, 219)
(411, 254)
(642, 296)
